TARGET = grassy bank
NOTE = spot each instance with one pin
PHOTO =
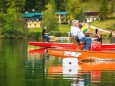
(107, 24)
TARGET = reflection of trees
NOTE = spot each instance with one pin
(12, 62)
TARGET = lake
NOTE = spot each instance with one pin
(24, 65)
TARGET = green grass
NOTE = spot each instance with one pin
(64, 28)
(35, 29)
(107, 24)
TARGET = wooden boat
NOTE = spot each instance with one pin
(81, 54)
(94, 46)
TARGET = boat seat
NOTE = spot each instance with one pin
(80, 45)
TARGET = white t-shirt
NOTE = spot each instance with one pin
(75, 31)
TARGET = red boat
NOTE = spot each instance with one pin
(53, 45)
(95, 46)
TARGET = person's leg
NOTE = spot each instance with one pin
(88, 41)
(46, 37)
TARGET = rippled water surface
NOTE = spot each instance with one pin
(23, 65)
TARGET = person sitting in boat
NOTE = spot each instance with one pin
(45, 35)
(99, 38)
(79, 35)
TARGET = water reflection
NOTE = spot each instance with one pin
(86, 73)
(23, 66)
(79, 73)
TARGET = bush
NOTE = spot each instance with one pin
(34, 35)
(58, 34)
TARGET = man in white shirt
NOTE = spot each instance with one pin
(78, 34)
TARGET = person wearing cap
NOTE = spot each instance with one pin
(79, 35)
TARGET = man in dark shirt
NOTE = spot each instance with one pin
(44, 34)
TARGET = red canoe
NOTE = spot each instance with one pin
(94, 47)
(44, 44)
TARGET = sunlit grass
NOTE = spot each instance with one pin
(106, 24)
(35, 29)
(64, 28)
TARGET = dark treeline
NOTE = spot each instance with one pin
(61, 5)
(39, 5)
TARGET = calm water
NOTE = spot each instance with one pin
(23, 65)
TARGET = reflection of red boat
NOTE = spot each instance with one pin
(42, 51)
(95, 46)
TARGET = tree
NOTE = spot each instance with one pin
(75, 11)
(15, 24)
(52, 2)
(112, 7)
(29, 5)
(61, 5)
(103, 9)
(2, 6)
(80, 16)
(49, 19)
(18, 5)
(13, 21)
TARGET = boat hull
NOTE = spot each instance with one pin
(49, 45)
(81, 54)
(95, 46)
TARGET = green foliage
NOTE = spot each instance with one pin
(58, 34)
(14, 25)
(17, 5)
(34, 35)
(3, 6)
(106, 24)
(103, 9)
(80, 16)
(73, 8)
(61, 5)
(52, 2)
(12, 22)
(49, 19)
(1, 22)
(30, 5)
